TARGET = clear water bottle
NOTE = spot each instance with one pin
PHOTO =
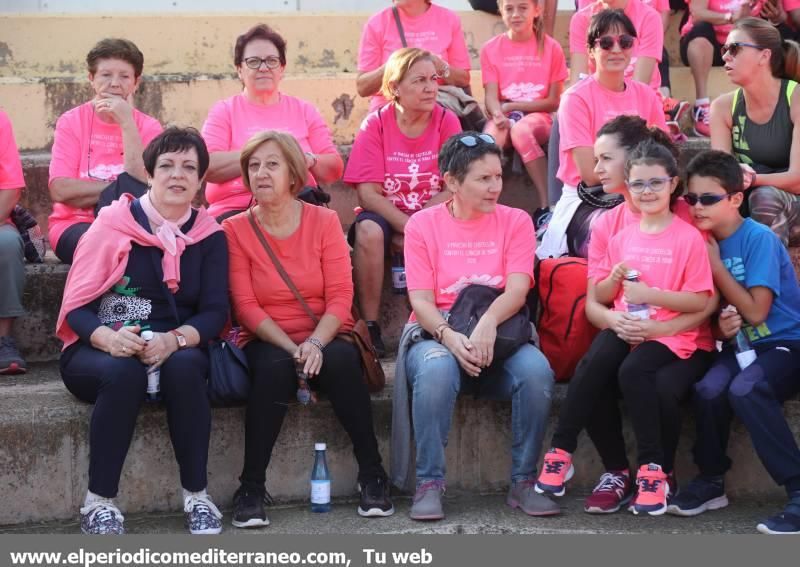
(515, 116)
(320, 481)
(639, 310)
(745, 354)
(303, 391)
(153, 374)
(399, 285)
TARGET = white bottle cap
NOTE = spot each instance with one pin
(319, 446)
(147, 335)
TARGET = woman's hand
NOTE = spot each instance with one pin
(464, 351)
(626, 326)
(124, 342)
(500, 120)
(119, 109)
(749, 174)
(310, 356)
(483, 338)
(158, 349)
(636, 292)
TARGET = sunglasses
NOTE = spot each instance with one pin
(472, 141)
(607, 42)
(271, 62)
(706, 200)
(733, 47)
(656, 185)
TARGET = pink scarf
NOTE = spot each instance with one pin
(102, 253)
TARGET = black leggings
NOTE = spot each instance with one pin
(652, 380)
(116, 387)
(275, 385)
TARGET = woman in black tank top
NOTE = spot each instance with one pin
(759, 122)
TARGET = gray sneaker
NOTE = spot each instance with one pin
(523, 496)
(11, 361)
(428, 501)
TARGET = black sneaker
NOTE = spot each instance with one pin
(102, 517)
(787, 522)
(248, 508)
(375, 501)
(377, 339)
(700, 495)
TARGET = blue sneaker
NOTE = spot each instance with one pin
(201, 516)
(700, 495)
(102, 517)
(785, 523)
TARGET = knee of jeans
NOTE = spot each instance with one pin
(436, 370)
(748, 380)
(530, 368)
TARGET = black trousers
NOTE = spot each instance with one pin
(653, 382)
(116, 387)
(275, 385)
(68, 242)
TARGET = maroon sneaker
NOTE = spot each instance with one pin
(614, 490)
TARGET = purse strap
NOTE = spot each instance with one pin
(397, 21)
(278, 266)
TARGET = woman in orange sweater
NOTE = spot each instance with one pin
(279, 336)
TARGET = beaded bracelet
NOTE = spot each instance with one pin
(316, 342)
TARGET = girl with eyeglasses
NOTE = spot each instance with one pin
(589, 104)
(523, 73)
(758, 123)
(260, 60)
(657, 269)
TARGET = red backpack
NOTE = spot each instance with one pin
(564, 331)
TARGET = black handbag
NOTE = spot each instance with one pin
(594, 202)
(470, 305)
(228, 374)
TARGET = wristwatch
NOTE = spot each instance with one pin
(180, 337)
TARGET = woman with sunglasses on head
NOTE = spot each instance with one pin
(654, 269)
(615, 142)
(468, 240)
(394, 171)
(589, 104)
(523, 74)
(260, 60)
(96, 142)
(759, 123)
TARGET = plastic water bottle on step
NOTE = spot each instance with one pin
(640, 310)
(320, 481)
(399, 286)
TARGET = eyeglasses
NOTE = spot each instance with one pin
(271, 62)
(656, 185)
(607, 42)
(706, 200)
(733, 47)
(472, 141)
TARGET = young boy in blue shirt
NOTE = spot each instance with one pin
(754, 274)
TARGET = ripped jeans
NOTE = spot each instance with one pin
(779, 210)
(755, 395)
(435, 379)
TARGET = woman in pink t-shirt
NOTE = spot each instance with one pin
(96, 142)
(469, 240)
(523, 75)
(426, 26)
(654, 269)
(260, 60)
(393, 167)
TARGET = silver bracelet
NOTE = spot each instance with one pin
(316, 342)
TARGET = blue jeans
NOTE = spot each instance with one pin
(435, 379)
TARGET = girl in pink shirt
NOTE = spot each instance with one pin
(669, 258)
(523, 74)
(260, 60)
(426, 26)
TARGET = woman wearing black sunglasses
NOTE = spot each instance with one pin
(758, 122)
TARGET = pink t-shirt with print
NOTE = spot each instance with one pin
(659, 6)
(520, 71)
(438, 30)
(587, 105)
(233, 121)
(445, 254)
(722, 6)
(81, 141)
(673, 260)
(10, 164)
(649, 32)
(610, 223)
(406, 168)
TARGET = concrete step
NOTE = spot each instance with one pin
(467, 513)
(44, 451)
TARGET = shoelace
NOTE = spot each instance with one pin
(426, 486)
(202, 505)
(610, 482)
(554, 467)
(103, 510)
(647, 485)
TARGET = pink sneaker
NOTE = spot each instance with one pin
(556, 471)
(614, 490)
(702, 118)
(652, 491)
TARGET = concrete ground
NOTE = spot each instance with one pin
(466, 514)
